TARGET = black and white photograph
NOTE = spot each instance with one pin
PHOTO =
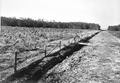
(59, 41)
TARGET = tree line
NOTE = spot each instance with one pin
(28, 22)
(114, 28)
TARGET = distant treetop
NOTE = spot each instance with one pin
(114, 28)
(28, 22)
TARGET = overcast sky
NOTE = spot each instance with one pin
(103, 12)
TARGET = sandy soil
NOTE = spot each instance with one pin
(98, 62)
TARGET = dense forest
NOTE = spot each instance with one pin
(114, 28)
(28, 22)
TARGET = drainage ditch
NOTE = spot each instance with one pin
(33, 72)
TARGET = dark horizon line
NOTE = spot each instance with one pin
(42, 19)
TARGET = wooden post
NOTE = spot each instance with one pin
(15, 64)
(45, 50)
(60, 45)
(74, 39)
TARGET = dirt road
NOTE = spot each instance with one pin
(98, 62)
